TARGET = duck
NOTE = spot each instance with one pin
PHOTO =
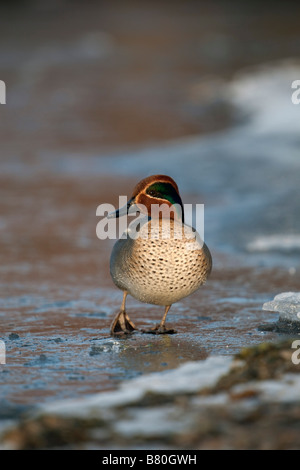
(159, 259)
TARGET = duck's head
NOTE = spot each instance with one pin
(158, 190)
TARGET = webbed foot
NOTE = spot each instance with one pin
(160, 330)
(122, 325)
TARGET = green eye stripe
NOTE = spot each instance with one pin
(164, 191)
(167, 192)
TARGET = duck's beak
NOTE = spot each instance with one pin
(122, 211)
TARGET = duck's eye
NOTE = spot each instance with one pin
(152, 192)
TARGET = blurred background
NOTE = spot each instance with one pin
(100, 95)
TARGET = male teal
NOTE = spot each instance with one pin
(161, 260)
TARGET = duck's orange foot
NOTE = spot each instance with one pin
(122, 325)
(160, 330)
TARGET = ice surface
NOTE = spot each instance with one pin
(285, 390)
(278, 242)
(188, 378)
(288, 306)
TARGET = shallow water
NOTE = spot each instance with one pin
(61, 160)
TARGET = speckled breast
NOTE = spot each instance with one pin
(162, 263)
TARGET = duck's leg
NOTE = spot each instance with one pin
(161, 329)
(122, 323)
